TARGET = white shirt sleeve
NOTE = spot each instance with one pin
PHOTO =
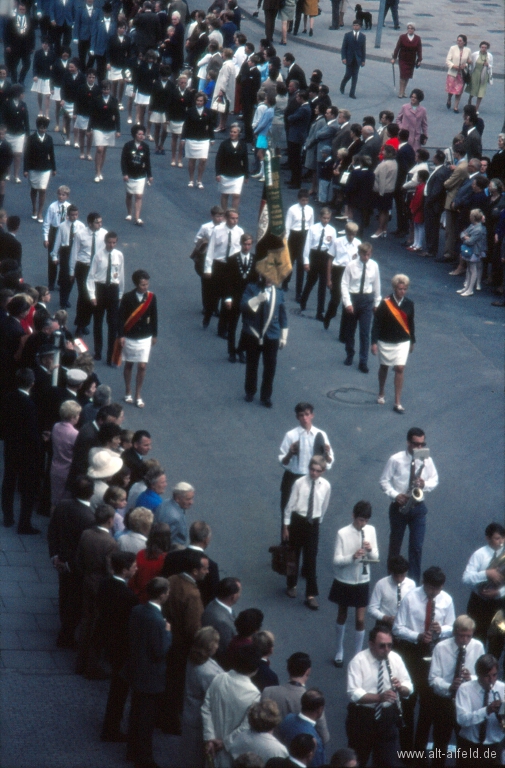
(344, 287)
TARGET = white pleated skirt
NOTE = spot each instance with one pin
(157, 117)
(81, 122)
(42, 86)
(142, 98)
(56, 94)
(16, 142)
(39, 179)
(115, 73)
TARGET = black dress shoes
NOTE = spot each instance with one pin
(348, 360)
(320, 318)
(232, 358)
(363, 368)
(266, 403)
(249, 398)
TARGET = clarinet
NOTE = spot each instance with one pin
(459, 668)
(395, 689)
(364, 572)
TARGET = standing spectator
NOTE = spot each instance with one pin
(19, 42)
(63, 437)
(173, 512)
(310, 11)
(312, 709)
(138, 524)
(417, 212)
(298, 124)
(361, 293)
(434, 199)
(409, 52)
(413, 118)
(271, 9)
(39, 164)
(263, 717)
(250, 81)
(359, 191)
(481, 63)
(156, 484)
(384, 187)
(133, 457)
(15, 118)
(457, 61)
(105, 286)
(105, 122)
(353, 56)
(456, 180)
(473, 251)
(496, 167)
(150, 560)
(219, 614)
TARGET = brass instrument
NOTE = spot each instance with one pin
(415, 494)
(498, 622)
(395, 689)
(498, 563)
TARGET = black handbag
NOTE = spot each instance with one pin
(283, 559)
(466, 75)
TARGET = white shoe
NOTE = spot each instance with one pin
(17, 180)
(121, 108)
(129, 121)
(478, 287)
(128, 218)
(461, 290)
(7, 178)
(96, 179)
(67, 143)
(101, 177)
(467, 293)
(76, 144)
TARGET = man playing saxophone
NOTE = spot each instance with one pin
(403, 472)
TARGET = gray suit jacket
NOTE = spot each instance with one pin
(288, 699)
(218, 617)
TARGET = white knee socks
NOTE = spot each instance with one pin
(358, 641)
(339, 655)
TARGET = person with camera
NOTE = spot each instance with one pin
(403, 472)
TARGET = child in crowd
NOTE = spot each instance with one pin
(473, 250)
(117, 498)
(417, 211)
(126, 439)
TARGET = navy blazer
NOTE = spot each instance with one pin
(148, 644)
(83, 24)
(62, 14)
(267, 322)
(299, 124)
(100, 38)
(352, 49)
(435, 190)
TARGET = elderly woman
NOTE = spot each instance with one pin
(457, 60)
(384, 187)
(151, 560)
(201, 669)
(138, 524)
(63, 437)
(232, 167)
(156, 485)
(263, 718)
(414, 119)
(224, 92)
(481, 63)
(172, 48)
(393, 337)
(103, 465)
(409, 52)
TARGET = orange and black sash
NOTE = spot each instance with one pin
(398, 315)
(138, 313)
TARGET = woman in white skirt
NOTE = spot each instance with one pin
(42, 63)
(147, 75)
(136, 169)
(15, 119)
(119, 55)
(105, 124)
(197, 133)
(232, 167)
(39, 164)
(179, 105)
(58, 71)
(393, 337)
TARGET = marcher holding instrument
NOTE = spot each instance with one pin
(403, 472)
(453, 663)
(377, 681)
(355, 547)
(485, 573)
(426, 614)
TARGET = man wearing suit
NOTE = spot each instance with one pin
(10, 247)
(219, 614)
(148, 31)
(434, 198)
(250, 81)
(298, 125)
(453, 183)
(301, 752)
(312, 707)
(405, 158)
(115, 601)
(92, 560)
(61, 13)
(19, 41)
(21, 452)
(149, 639)
(295, 72)
(240, 272)
(271, 9)
(134, 457)
(326, 135)
(353, 56)
(200, 535)
(88, 439)
(265, 328)
(85, 16)
(102, 31)
(462, 202)
(372, 144)
(70, 518)
(343, 137)
(472, 140)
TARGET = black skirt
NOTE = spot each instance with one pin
(349, 595)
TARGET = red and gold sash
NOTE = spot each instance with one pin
(398, 315)
(138, 313)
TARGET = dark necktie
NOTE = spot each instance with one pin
(303, 219)
(398, 595)
(93, 247)
(483, 725)
(321, 239)
(228, 246)
(380, 689)
(362, 281)
(62, 213)
(310, 508)
(71, 235)
(109, 270)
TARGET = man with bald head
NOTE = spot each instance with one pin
(173, 512)
(372, 144)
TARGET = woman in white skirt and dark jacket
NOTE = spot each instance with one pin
(105, 122)
(15, 119)
(197, 133)
(136, 169)
(232, 167)
(39, 164)
(159, 106)
(42, 63)
(393, 337)
(182, 100)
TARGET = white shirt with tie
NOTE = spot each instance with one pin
(411, 616)
(351, 281)
(299, 498)
(299, 462)
(296, 215)
(83, 245)
(314, 242)
(223, 243)
(63, 235)
(55, 215)
(470, 712)
(100, 267)
(444, 660)
(395, 477)
(345, 251)
(384, 600)
(363, 676)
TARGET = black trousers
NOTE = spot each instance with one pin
(143, 713)
(247, 117)
(70, 605)
(318, 262)
(351, 73)
(298, 15)
(296, 244)
(402, 212)
(254, 351)
(304, 537)
(270, 17)
(482, 755)
(12, 60)
(216, 292)
(60, 36)
(84, 309)
(363, 313)
(83, 47)
(336, 292)
(116, 700)
(413, 654)
(52, 267)
(432, 214)
(443, 725)
(107, 301)
(482, 611)
(18, 473)
(368, 736)
(100, 64)
(295, 162)
(64, 280)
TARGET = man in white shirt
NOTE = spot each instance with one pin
(297, 448)
(224, 241)
(304, 513)
(452, 663)
(55, 215)
(486, 580)
(361, 295)
(201, 244)
(377, 680)
(477, 705)
(105, 284)
(390, 591)
(345, 249)
(60, 253)
(425, 616)
(401, 474)
(299, 219)
(85, 246)
(319, 244)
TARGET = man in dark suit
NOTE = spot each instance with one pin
(343, 137)
(250, 81)
(19, 41)
(10, 247)
(21, 452)
(405, 158)
(149, 639)
(134, 457)
(472, 140)
(271, 9)
(353, 56)
(240, 272)
(70, 518)
(372, 144)
(302, 748)
(62, 14)
(295, 72)
(219, 614)
(297, 132)
(434, 200)
(200, 535)
(88, 439)
(115, 602)
(148, 31)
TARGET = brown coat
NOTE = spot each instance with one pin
(185, 609)
(453, 183)
(93, 556)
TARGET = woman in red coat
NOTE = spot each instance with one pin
(409, 52)
(151, 560)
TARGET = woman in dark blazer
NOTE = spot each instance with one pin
(180, 103)
(39, 163)
(197, 133)
(15, 119)
(232, 167)
(136, 168)
(105, 123)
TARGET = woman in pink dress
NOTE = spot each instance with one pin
(414, 118)
(457, 61)
(63, 438)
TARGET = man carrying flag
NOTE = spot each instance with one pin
(138, 331)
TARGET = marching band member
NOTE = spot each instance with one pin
(390, 591)
(487, 582)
